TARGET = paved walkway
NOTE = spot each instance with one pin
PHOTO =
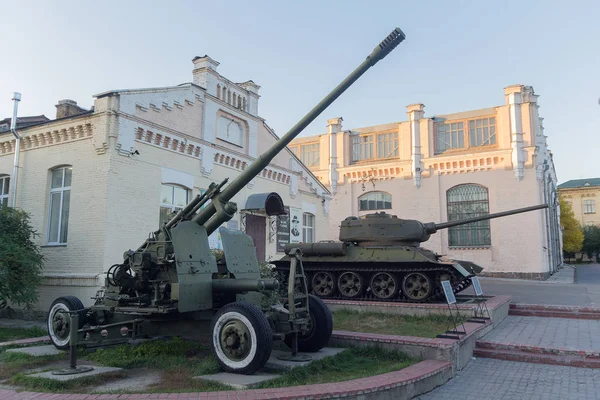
(490, 379)
(579, 334)
(587, 274)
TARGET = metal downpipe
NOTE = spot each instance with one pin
(13, 128)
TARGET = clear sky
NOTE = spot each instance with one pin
(458, 55)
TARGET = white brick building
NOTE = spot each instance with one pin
(98, 182)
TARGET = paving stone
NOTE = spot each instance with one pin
(518, 380)
(238, 381)
(274, 364)
(580, 334)
(38, 351)
(95, 371)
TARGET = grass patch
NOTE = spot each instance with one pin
(390, 324)
(353, 363)
(12, 364)
(8, 334)
(74, 386)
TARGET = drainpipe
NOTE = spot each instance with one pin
(13, 129)
(546, 215)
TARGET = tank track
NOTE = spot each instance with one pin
(458, 282)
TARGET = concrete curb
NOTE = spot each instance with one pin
(554, 311)
(404, 384)
(538, 354)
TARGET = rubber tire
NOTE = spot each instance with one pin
(263, 333)
(71, 303)
(321, 331)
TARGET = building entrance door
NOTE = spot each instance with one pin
(256, 228)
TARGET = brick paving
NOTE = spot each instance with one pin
(498, 379)
(577, 334)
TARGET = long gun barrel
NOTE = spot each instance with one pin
(220, 205)
(435, 227)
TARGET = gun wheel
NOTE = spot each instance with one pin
(242, 338)
(59, 321)
(350, 284)
(384, 285)
(323, 284)
(417, 286)
(319, 327)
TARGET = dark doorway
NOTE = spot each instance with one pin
(256, 227)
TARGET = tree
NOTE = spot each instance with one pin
(591, 241)
(21, 263)
(572, 232)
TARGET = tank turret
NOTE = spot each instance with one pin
(385, 229)
(379, 257)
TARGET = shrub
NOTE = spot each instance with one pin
(21, 263)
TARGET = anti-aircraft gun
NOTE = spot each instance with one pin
(379, 258)
(173, 281)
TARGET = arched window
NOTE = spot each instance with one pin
(308, 228)
(172, 199)
(375, 201)
(4, 185)
(467, 201)
(59, 205)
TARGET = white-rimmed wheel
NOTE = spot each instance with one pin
(242, 338)
(59, 322)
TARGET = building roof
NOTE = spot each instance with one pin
(23, 122)
(579, 183)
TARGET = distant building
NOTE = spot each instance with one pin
(448, 167)
(582, 195)
(97, 182)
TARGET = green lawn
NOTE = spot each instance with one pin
(8, 334)
(403, 325)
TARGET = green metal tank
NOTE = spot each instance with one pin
(379, 258)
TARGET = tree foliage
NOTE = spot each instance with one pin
(572, 232)
(591, 241)
(21, 263)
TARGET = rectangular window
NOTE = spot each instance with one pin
(4, 185)
(60, 202)
(387, 145)
(362, 148)
(308, 228)
(449, 136)
(310, 154)
(172, 199)
(482, 132)
(589, 206)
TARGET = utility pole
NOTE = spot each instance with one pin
(13, 128)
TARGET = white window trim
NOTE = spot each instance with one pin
(306, 228)
(173, 207)
(60, 190)
(6, 181)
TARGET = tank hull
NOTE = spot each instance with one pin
(379, 273)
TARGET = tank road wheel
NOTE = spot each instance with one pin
(384, 285)
(319, 330)
(323, 283)
(242, 338)
(350, 284)
(417, 286)
(59, 323)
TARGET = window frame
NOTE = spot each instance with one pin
(314, 150)
(375, 192)
(373, 140)
(62, 189)
(466, 135)
(4, 187)
(172, 206)
(591, 204)
(308, 228)
(479, 227)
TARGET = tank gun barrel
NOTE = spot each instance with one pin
(219, 210)
(435, 227)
